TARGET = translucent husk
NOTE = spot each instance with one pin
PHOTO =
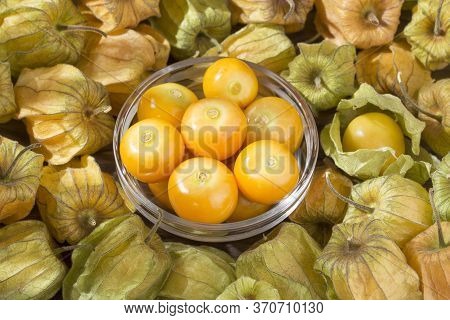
(20, 171)
(361, 262)
(285, 259)
(363, 23)
(120, 259)
(124, 59)
(321, 209)
(441, 186)
(121, 14)
(289, 13)
(74, 199)
(199, 272)
(246, 288)
(65, 111)
(429, 36)
(193, 26)
(36, 33)
(7, 102)
(263, 44)
(324, 73)
(29, 266)
(401, 205)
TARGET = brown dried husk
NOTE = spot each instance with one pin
(7, 102)
(363, 23)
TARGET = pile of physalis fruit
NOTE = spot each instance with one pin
(225, 157)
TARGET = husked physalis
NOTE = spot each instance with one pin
(363, 23)
(65, 111)
(198, 273)
(285, 259)
(7, 102)
(193, 26)
(74, 199)
(246, 209)
(428, 32)
(441, 185)
(121, 14)
(263, 44)
(30, 267)
(20, 171)
(120, 260)
(361, 263)
(246, 288)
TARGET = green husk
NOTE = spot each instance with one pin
(29, 267)
(361, 262)
(324, 73)
(193, 26)
(285, 259)
(367, 163)
(7, 102)
(246, 288)
(441, 186)
(264, 44)
(116, 261)
(199, 273)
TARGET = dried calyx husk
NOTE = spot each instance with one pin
(7, 102)
(193, 26)
(36, 33)
(370, 163)
(289, 13)
(322, 209)
(324, 73)
(379, 67)
(401, 205)
(264, 44)
(429, 33)
(121, 14)
(120, 259)
(65, 111)
(363, 23)
(124, 59)
(198, 273)
(441, 185)
(429, 254)
(30, 268)
(434, 109)
(361, 262)
(20, 171)
(75, 198)
(246, 288)
(285, 259)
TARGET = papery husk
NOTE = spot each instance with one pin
(122, 14)
(349, 22)
(29, 266)
(441, 186)
(321, 209)
(434, 99)
(19, 183)
(76, 198)
(431, 262)
(370, 163)
(285, 259)
(64, 111)
(263, 44)
(246, 288)
(34, 33)
(324, 73)
(124, 59)
(199, 272)
(402, 205)
(119, 260)
(361, 263)
(7, 102)
(193, 26)
(379, 68)
(291, 14)
(431, 49)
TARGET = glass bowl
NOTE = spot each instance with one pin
(189, 73)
